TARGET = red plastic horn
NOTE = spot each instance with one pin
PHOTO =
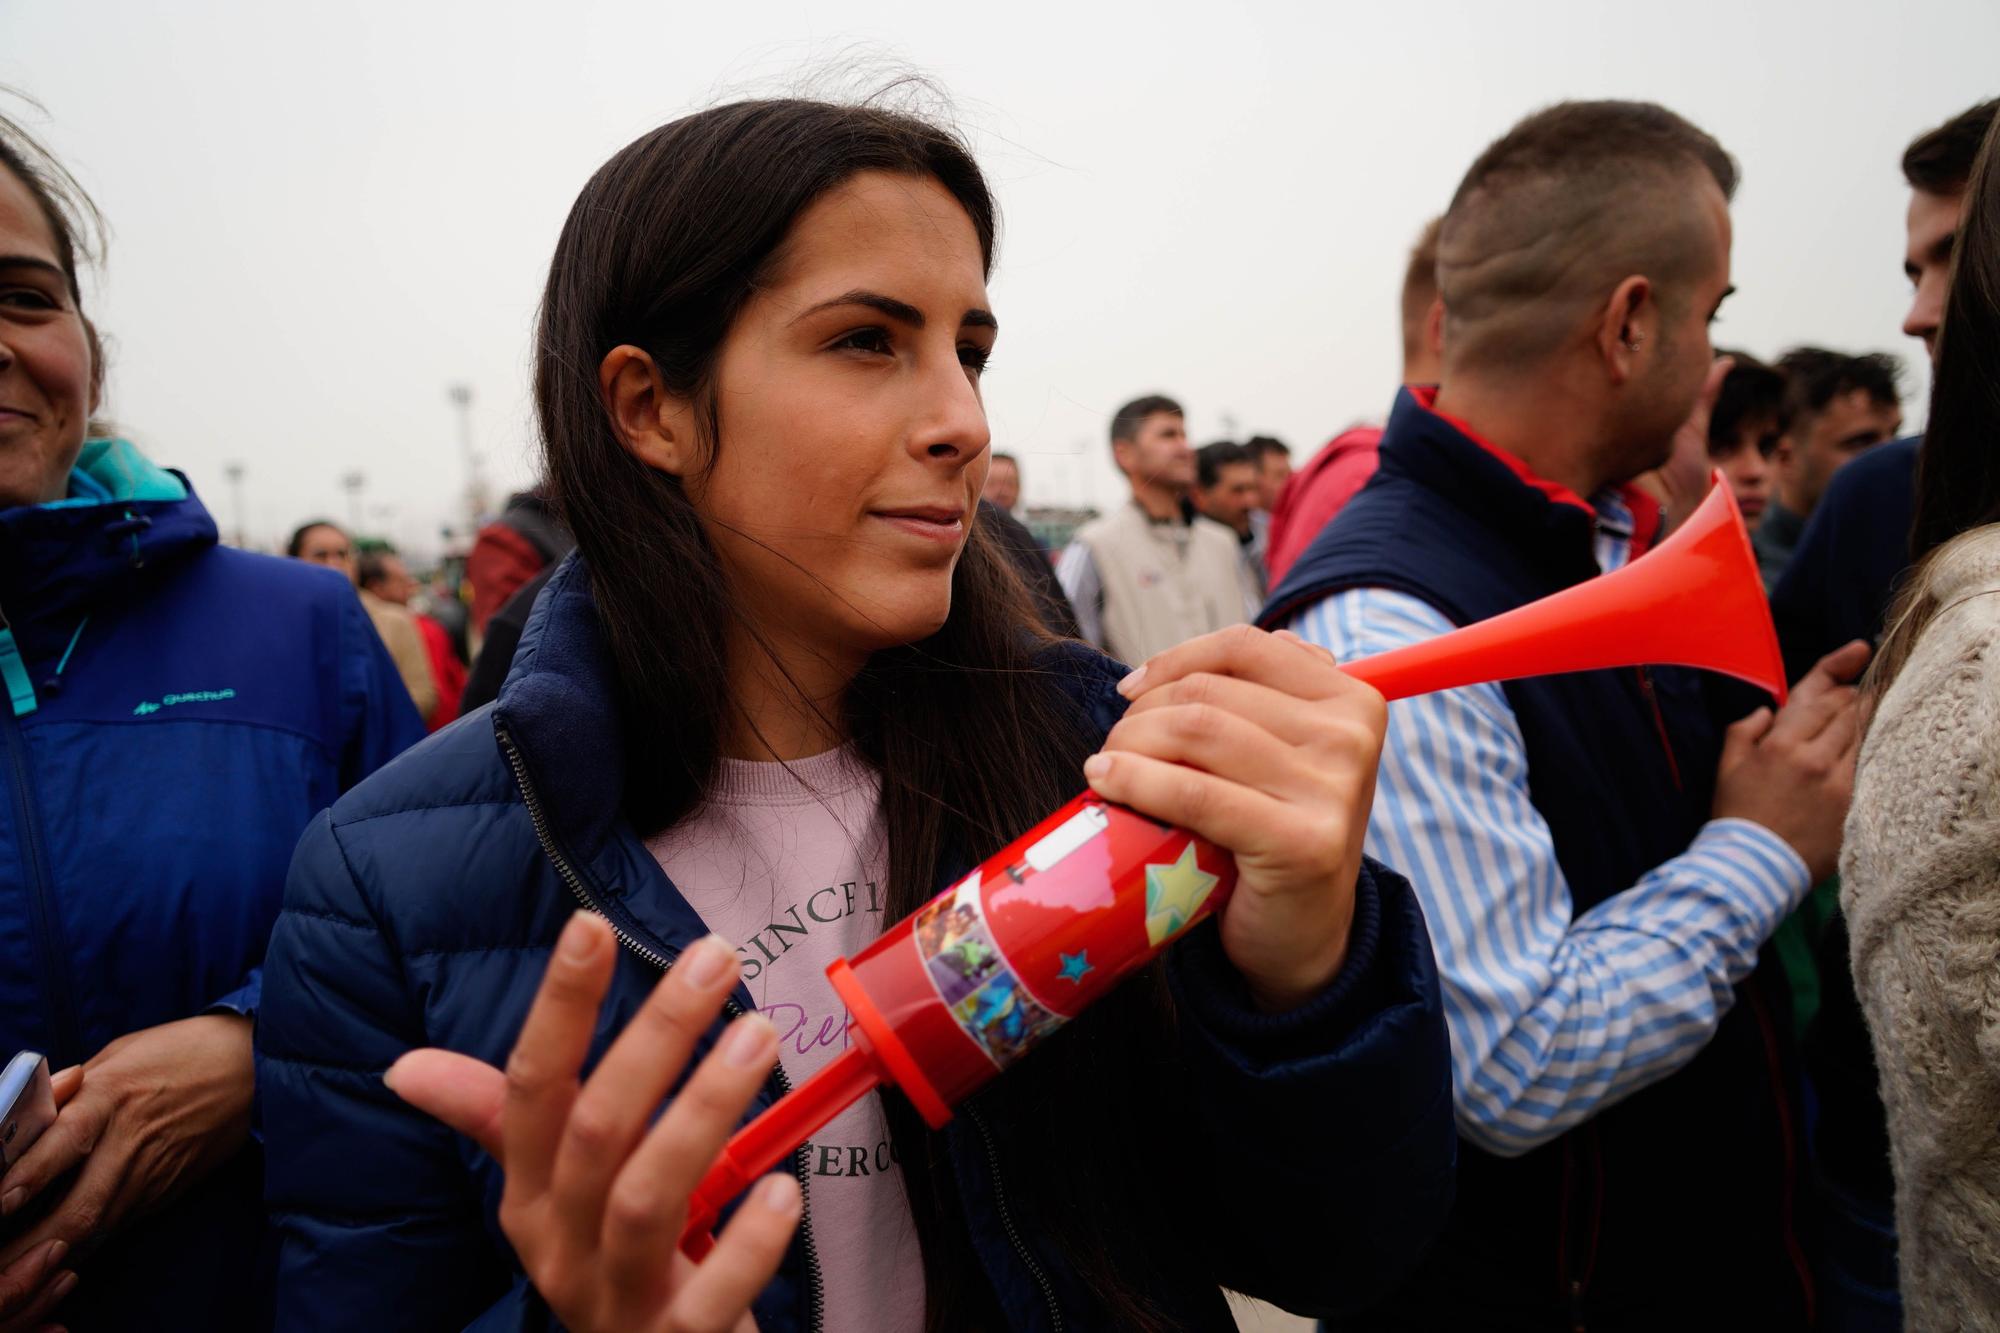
(981, 974)
(1696, 600)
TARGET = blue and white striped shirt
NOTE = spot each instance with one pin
(1553, 1016)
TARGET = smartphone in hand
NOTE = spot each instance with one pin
(27, 1105)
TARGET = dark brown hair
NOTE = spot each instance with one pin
(1752, 393)
(1958, 467)
(1815, 377)
(1940, 161)
(1557, 211)
(973, 743)
(72, 217)
(1127, 421)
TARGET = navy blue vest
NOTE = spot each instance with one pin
(1646, 1215)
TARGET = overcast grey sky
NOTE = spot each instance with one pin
(325, 215)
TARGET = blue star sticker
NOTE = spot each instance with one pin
(1074, 965)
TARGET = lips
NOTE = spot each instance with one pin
(939, 514)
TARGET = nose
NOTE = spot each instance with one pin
(1926, 311)
(952, 423)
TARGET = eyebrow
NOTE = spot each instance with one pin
(900, 311)
(34, 262)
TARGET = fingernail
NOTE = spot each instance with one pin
(1096, 766)
(12, 1200)
(578, 940)
(64, 1286)
(747, 1041)
(57, 1249)
(706, 960)
(389, 1076)
(780, 1194)
(1130, 685)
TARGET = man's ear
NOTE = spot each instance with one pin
(1627, 328)
(655, 426)
(1121, 454)
(1434, 327)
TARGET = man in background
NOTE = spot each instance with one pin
(1003, 483)
(1600, 870)
(1227, 490)
(1143, 578)
(1345, 463)
(386, 587)
(1837, 407)
(1856, 545)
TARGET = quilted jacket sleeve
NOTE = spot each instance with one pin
(380, 1227)
(1330, 1124)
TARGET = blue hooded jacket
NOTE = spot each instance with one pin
(1317, 1145)
(176, 712)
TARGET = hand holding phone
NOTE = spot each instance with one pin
(27, 1105)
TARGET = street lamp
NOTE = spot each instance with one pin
(354, 483)
(234, 471)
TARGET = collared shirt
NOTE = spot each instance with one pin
(1553, 1015)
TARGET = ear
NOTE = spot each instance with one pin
(655, 426)
(1121, 454)
(1626, 328)
(1434, 327)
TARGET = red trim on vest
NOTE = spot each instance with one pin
(1426, 396)
(1647, 518)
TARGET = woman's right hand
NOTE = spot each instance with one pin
(594, 1200)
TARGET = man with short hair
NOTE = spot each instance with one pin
(1143, 578)
(1856, 546)
(1837, 407)
(1599, 865)
(1227, 489)
(1003, 482)
(1345, 463)
(1272, 458)
(385, 585)
(1744, 430)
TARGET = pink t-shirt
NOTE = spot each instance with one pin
(790, 862)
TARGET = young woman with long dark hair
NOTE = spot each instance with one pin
(1920, 869)
(785, 691)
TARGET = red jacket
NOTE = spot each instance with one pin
(1316, 492)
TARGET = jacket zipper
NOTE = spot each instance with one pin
(55, 969)
(780, 1085)
(1007, 1220)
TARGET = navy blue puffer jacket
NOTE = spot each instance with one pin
(421, 910)
(176, 712)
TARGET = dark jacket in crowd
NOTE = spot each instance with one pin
(1673, 1208)
(179, 712)
(526, 539)
(503, 636)
(1838, 588)
(1856, 546)
(1031, 560)
(422, 908)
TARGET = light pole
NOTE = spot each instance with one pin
(354, 483)
(234, 471)
(475, 485)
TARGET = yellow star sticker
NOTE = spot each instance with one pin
(1174, 893)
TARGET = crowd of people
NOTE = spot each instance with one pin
(403, 960)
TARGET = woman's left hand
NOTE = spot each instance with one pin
(1261, 744)
(143, 1119)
